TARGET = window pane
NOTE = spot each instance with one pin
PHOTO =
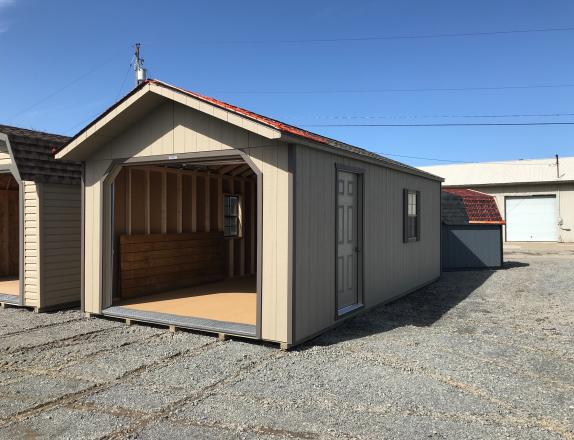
(230, 216)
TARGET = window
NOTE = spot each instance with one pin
(231, 216)
(411, 215)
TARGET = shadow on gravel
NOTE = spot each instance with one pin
(421, 308)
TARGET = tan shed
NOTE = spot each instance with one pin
(40, 220)
(203, 215)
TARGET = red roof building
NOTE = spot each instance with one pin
(466, 206)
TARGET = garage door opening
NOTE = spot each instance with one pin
(185, 248)
(9, 238)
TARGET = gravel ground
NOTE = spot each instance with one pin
(484, 354)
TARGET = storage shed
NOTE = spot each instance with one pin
(203, 215)
(40, 218)
(472, 230)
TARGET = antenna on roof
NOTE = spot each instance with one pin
(141, 73)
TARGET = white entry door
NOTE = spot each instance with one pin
(347, 241)
(531, 219)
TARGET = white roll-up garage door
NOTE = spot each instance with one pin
(531, 218)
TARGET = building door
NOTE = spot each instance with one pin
(348, 229)
(531, 218)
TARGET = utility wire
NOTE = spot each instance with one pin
(466, 116)
(549, 164)
(65, 86)
(387, 37)
(453, 124)
(399, 90)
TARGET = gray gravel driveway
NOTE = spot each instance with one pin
(484, 354)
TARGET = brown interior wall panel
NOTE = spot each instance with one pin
(14, 232)
(171, 203)
(237, 254)
(200, 194)
(159, 262)
(120, 203)
(137, 202)
(155, 195)
(214, 204)
(186, 203)
(9, 232)
(247, 223)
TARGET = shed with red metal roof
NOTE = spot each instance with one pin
(205, 215)
(472, 230)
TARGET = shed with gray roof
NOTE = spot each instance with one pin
(40, 218)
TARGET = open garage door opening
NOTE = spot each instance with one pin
(185, 245)
(9, 239)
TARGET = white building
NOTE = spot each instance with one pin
(535, 197)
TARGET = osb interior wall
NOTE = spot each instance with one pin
(173, 128)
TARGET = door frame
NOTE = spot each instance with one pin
(360, 173)
(107, 221)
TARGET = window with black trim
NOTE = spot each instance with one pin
(411, 215)
(231, 216)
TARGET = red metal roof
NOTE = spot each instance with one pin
(273, 123)
(479, 207)
(281, 126)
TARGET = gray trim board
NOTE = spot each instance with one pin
(207, 325)
(9, 299)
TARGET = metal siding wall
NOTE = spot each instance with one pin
(391, 267)
(61, 244)
(472, 246)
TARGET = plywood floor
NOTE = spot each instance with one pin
(10, 286)
(232, 300)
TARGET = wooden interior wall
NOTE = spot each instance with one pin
(9, 226)
(151, 263)
(159, 200)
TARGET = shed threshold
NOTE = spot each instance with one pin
(207, 325)
(9, 299)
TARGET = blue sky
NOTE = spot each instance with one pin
(63, 62)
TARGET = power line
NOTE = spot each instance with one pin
(453, 124)
(399, 90)
(64, 87)
(387, 37)
(467, 116)
(550, 163)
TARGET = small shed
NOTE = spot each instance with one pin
(204, 215)
(471, 231)
(40, 218)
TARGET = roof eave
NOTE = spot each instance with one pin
(291, 138)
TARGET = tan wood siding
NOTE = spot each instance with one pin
(60, 220)
(391, 267)
(172, 128)
(5, 159)
(31, 245)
